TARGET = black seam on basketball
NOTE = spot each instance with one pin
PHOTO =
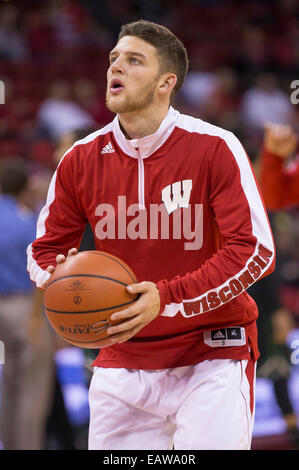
(90, 311)
(110, 257)
(88, 275)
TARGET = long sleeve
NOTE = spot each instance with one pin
(247, 252)
(279, 183)
(60, 224)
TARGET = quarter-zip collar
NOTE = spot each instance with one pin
(147, 145)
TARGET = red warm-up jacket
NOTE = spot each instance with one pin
(183, 209)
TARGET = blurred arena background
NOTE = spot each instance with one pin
(244, 56)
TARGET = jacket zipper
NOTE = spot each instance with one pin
(141, 198)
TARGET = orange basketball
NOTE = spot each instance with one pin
(82, 294)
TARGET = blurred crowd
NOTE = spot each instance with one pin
(243, 58)
(53, 61)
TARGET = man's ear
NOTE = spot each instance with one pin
(167, 83)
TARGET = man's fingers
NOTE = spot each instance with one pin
(126, 335)
(133, 318)
(125, 313)
(60, 259)
(124, 326)
(280, 131)
(278, 128)
(134, 309)
(138, 288)
(72, 252)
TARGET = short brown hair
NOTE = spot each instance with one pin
(171, 52)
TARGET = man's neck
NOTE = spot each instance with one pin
(140, 124)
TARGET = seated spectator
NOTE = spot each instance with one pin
(254, 51)
(199, 86)
(222, 109)
(13, 46)
(40, 34)
(59, 114)
(90, 98)
(67, 19)
(265, 101)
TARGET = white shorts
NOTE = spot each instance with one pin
(206, 406)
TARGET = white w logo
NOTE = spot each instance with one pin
(174, 196)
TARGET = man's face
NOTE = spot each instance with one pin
(133, 76)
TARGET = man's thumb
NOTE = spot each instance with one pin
(136, 288)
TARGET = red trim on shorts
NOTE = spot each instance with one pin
(250, 373)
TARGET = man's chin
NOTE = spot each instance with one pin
(114, 107)
(118, 108)
(117, 105)
(110, 105)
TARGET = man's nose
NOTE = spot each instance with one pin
(117, 66)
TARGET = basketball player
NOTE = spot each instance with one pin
(279, 183)
(279, 177)
(176, 199)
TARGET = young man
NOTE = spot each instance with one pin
(176, 199)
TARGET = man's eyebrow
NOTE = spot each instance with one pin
(115, 52)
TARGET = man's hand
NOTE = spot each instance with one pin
(138, 315)
(60, 259)
(280, 140)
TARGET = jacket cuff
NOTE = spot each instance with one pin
(161, 285)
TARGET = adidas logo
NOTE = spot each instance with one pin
(108, 149)
(218, 335)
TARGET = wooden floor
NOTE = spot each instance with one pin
(276, 442)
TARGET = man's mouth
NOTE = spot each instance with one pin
(116, 86)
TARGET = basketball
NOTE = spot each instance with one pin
(82, 294)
